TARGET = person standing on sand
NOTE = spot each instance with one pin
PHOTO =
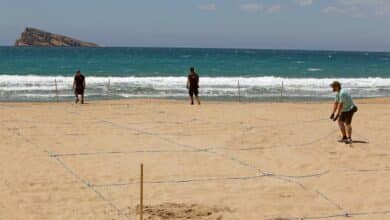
(193, 85)
(343, 111)
(79, 86)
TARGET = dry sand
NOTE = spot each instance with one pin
(215, 161)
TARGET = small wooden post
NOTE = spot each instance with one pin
(55, 82)
(141, 207)
(108, 87)
(239, 91)
(281, 91)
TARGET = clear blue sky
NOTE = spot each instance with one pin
(277, 24)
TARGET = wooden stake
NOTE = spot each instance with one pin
(281, 91)
(239, 91)
(55, 81)
(142, 193)
(108, 87)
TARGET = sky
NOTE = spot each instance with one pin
(362, 25)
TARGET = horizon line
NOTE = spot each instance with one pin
(221, 48)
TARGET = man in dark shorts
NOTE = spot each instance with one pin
(343, 111)
(79, 86)
(193, 85)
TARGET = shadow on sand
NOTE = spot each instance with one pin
(360, 142)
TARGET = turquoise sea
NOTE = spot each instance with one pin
(31, 74)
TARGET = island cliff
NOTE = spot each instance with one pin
(39, 38)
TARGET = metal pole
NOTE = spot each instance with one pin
(55, 82)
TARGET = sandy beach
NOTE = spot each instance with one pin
(220, 160)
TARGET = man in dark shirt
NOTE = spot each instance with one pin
(79, 86)
(193, 85)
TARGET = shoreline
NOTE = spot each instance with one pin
(374, 100)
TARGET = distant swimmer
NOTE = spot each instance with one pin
(343, 111)
(79, 86)
(193, 85)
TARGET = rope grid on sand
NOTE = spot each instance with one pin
(190, 148)
(72, 173)
(228, 157)
(286, 178)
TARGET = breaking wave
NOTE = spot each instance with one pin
(37, 88)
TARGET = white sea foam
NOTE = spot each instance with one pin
(13, 86)
(267, 81)
(314, 69)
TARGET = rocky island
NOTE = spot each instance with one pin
(39, 38)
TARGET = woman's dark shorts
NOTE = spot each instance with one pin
(193, 91)
(346, 117)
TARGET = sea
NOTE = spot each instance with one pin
(46, 74)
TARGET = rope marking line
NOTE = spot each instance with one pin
(341, 215)
(284, 178)
(238, 161)
(208, 179)
(71, 172)
(89, 186)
